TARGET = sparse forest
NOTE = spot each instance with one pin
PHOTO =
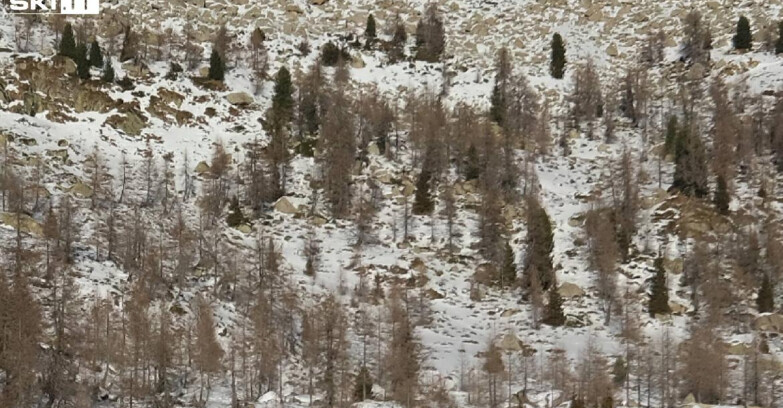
(325, 203)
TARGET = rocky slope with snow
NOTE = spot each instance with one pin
(53, 123)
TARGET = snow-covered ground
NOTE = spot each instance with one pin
(460, 327)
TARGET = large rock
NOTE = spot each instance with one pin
(202, 168)
(240, 98)
(510, 342)
(130, 123)
(286, 205)
(769, 322)
(69, 66)
(81, 190)
(570, 290)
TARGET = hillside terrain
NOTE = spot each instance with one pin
(388, 223)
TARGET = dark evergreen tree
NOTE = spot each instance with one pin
(659, 292)
(472, 170)
(108, 71)
(779, 42)
(503, 68)
(508, 274)
(283, 98)
(369, 31)
(68, 43)
(619, 371)
(82, 63)
(743, 39)
(722, 198)
(235, 217)
(558, 61)
(540, 242)
(553, 314)
(331, 54)
(96, 56)
(363, 385)
(765, 302)
(399, 39)
(217, 68)
(422, 202)
(430, 35)
(690, 171)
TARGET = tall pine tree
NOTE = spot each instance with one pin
(68, 43)
(558, 60)
(283, 99)
(216, 66)
(540, 242)
(659, 292)
(553, 314)
(765, 302)
(743, 39)
(422, 202)
(108, 71)
(690, 171)
(363, 385)
(370, 30)
(96, 56)
(722, 198)
(82, 63)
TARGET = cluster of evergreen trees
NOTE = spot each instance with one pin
(83, 58)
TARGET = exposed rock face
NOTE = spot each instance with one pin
(130, 122)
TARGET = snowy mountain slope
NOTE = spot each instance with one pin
(475, 30)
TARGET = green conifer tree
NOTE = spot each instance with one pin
(235, 217)
(96, 56)
(722, 198)
(659, 293)
(68, 43)
(216, 66)
(370, 31)
(82, 63)
(540, 243)
(472, 170)
(743, 39)
(363, 385)
(283, 99)
(765, 302)
(690, 171)
(558, 61)
(108, 71)
(553, 314)
(422, 202)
